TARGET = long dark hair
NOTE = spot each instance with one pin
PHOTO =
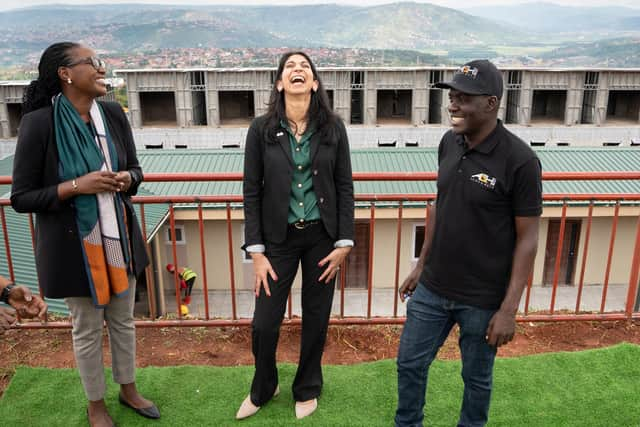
(38, 94)
(320, 117)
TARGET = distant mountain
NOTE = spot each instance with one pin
(138, 27)
(548, 17)
(523, 32)
(622, 52)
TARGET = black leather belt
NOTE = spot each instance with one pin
(301, 225)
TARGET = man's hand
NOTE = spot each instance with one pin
(262, 267)
(502, 328)
(6, 319)
(335, 259)
(26, 304)
(409, 284)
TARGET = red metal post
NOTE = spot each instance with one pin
(203, 254)
(5, 234)
(372, 224)
(556, 269)
(343, 277)
(232, 275)
(585, 253)
(612, 242)
(176, 279)
(151, 289)
(528, 294)
(397, 275)
(632, 293)
(32, 231)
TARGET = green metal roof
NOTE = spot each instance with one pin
(556, 159)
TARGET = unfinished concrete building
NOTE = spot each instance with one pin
(212, 107)
(11, 93)
(10, 107)
(384, 96)
(233, 97)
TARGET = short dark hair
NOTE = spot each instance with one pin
(320, 117)
(39, 92)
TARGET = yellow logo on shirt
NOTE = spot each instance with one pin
(484, 180)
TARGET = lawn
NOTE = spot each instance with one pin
(589, 388)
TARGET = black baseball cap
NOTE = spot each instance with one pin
(478, 77)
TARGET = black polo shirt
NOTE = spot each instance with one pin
(480, 192)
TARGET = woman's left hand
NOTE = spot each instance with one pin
(334, 259)
(124, 180)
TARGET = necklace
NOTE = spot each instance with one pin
(300, 127)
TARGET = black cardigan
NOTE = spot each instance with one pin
(59, 258)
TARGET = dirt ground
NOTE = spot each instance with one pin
(345, 344)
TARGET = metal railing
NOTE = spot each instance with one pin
(369, 201)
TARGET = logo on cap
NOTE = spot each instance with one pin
(468, 71)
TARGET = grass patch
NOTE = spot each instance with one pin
(590, 388)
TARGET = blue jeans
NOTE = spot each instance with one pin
(430, 318)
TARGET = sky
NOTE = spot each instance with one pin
(455, 4)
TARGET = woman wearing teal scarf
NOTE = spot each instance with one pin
(76, 168)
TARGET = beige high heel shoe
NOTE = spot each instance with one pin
(304, 409)
(247, 408)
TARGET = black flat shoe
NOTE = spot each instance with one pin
(150, 412)
(88, 419)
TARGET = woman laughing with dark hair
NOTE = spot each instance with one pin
(298, 206)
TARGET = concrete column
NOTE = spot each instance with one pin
(370, 95)
(135, 113)
(526, 99)
(213, 110)
(420, 99)
(602, 98)
(575, 93)
(5, 132)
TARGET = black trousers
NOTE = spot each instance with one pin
(306, 247)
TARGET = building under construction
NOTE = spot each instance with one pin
(383, 96)
(583, 106)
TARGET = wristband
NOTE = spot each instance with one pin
(4, 295)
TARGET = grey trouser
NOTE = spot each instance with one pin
(87, 323)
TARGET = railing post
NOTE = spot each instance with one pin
(397, 272)
(232, 275)
(205, 287)
(7, 248)
(633, 299)
(174, 253)
(612, 242)
(372, 225)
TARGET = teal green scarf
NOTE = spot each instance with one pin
(79, 154)
(101, 218)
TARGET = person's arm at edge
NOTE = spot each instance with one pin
(502, 325)
(411, 281)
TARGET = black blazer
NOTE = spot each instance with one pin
(59, 258)
(268, 172)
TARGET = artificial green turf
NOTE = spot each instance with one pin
(590, 388)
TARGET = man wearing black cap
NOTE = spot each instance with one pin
(479, 247)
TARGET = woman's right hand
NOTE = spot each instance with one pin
(97, 182)
(262, 267)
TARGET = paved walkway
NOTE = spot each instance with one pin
(355, 301)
